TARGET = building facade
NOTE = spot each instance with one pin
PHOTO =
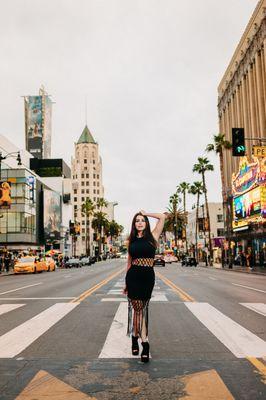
(242, 104)
(217, 230)
(86, 184)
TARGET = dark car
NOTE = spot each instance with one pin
(85, 261)
(93, 259)
(72, 262)
(159, 260)
(189, 262)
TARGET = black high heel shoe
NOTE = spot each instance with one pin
(145, 352)
(135, 346)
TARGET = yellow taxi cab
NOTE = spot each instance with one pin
(50, 263)
(29, 264)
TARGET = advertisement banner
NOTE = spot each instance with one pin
(5, 195)
(34, 125)
(52, 214)
(249, 207)
(47, 124)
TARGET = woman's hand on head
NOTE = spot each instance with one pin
(143, 212)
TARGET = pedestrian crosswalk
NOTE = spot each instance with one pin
(240, 341)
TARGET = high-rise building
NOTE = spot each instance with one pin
(86, 184)
(242, 104)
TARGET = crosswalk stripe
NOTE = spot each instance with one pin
(15, 341)
(117, 343)
(5, 308)
(259, 308)
(240, 341)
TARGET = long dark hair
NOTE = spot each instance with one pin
(146, 233)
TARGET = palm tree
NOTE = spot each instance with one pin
(101, 203)
(197, 189)
(87, 209)
(183, 188)
(175, 218)
(100, 222)
(201, 167)
(218, 145)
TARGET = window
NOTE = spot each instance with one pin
(85, 160)
(75, 199)
(98, 191)
(94, 183)
(75, 191)
(75, 207)
(94, 198)
(75, 214)
(94, 176)
(85, 168)
(82, 198)
(98, 176)
(82, 183)
(87, 183)
(98, 184)
(82, 175)
(87, 190)
(93, 161)
(87, 175)
(220, 232)
(220, 218)
(83, 223)
(83, 230)
(94, 191)
(82, 191)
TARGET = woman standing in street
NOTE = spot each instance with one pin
(140, 277)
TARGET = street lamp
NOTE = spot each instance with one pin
(10, 155)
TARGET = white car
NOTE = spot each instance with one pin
(169, 258)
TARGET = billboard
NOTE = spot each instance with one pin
(249, 207)
(34, 126)
(38, 116)
(52, 214)
(47, 125)
(5, 195)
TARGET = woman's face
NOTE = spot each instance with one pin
(140, 223)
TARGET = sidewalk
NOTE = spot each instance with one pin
(11, 272)
(237, 268)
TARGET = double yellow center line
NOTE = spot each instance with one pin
(181, 293)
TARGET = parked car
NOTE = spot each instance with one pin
(159, 260)
(85, 261)
(29, 264)
(189, 262)
(50, 262)
(72, 262)
(93, 259)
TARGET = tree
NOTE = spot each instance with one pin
(202, 167)
(196, 189)
(183, 188)
(100, 222)
(175, 218)
(101, 203)
(218, 146)
(87, 209)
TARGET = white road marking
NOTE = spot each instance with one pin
(240, 341)
(210, 277)
(114, 299)
(18, 339)
(38, 298)
(248, 287)
(117, 343)
(259, 308)
(4, 308)
(20, 288)
(155, 297)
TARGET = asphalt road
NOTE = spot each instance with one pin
(63, 333)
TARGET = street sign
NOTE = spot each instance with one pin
(259, 151)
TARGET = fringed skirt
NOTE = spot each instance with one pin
(140, 283)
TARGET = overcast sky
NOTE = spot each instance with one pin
(150, 71)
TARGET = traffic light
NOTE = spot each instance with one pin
(238, 142)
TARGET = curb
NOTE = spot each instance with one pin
(236, 270)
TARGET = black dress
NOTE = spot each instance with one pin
(140, 279)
